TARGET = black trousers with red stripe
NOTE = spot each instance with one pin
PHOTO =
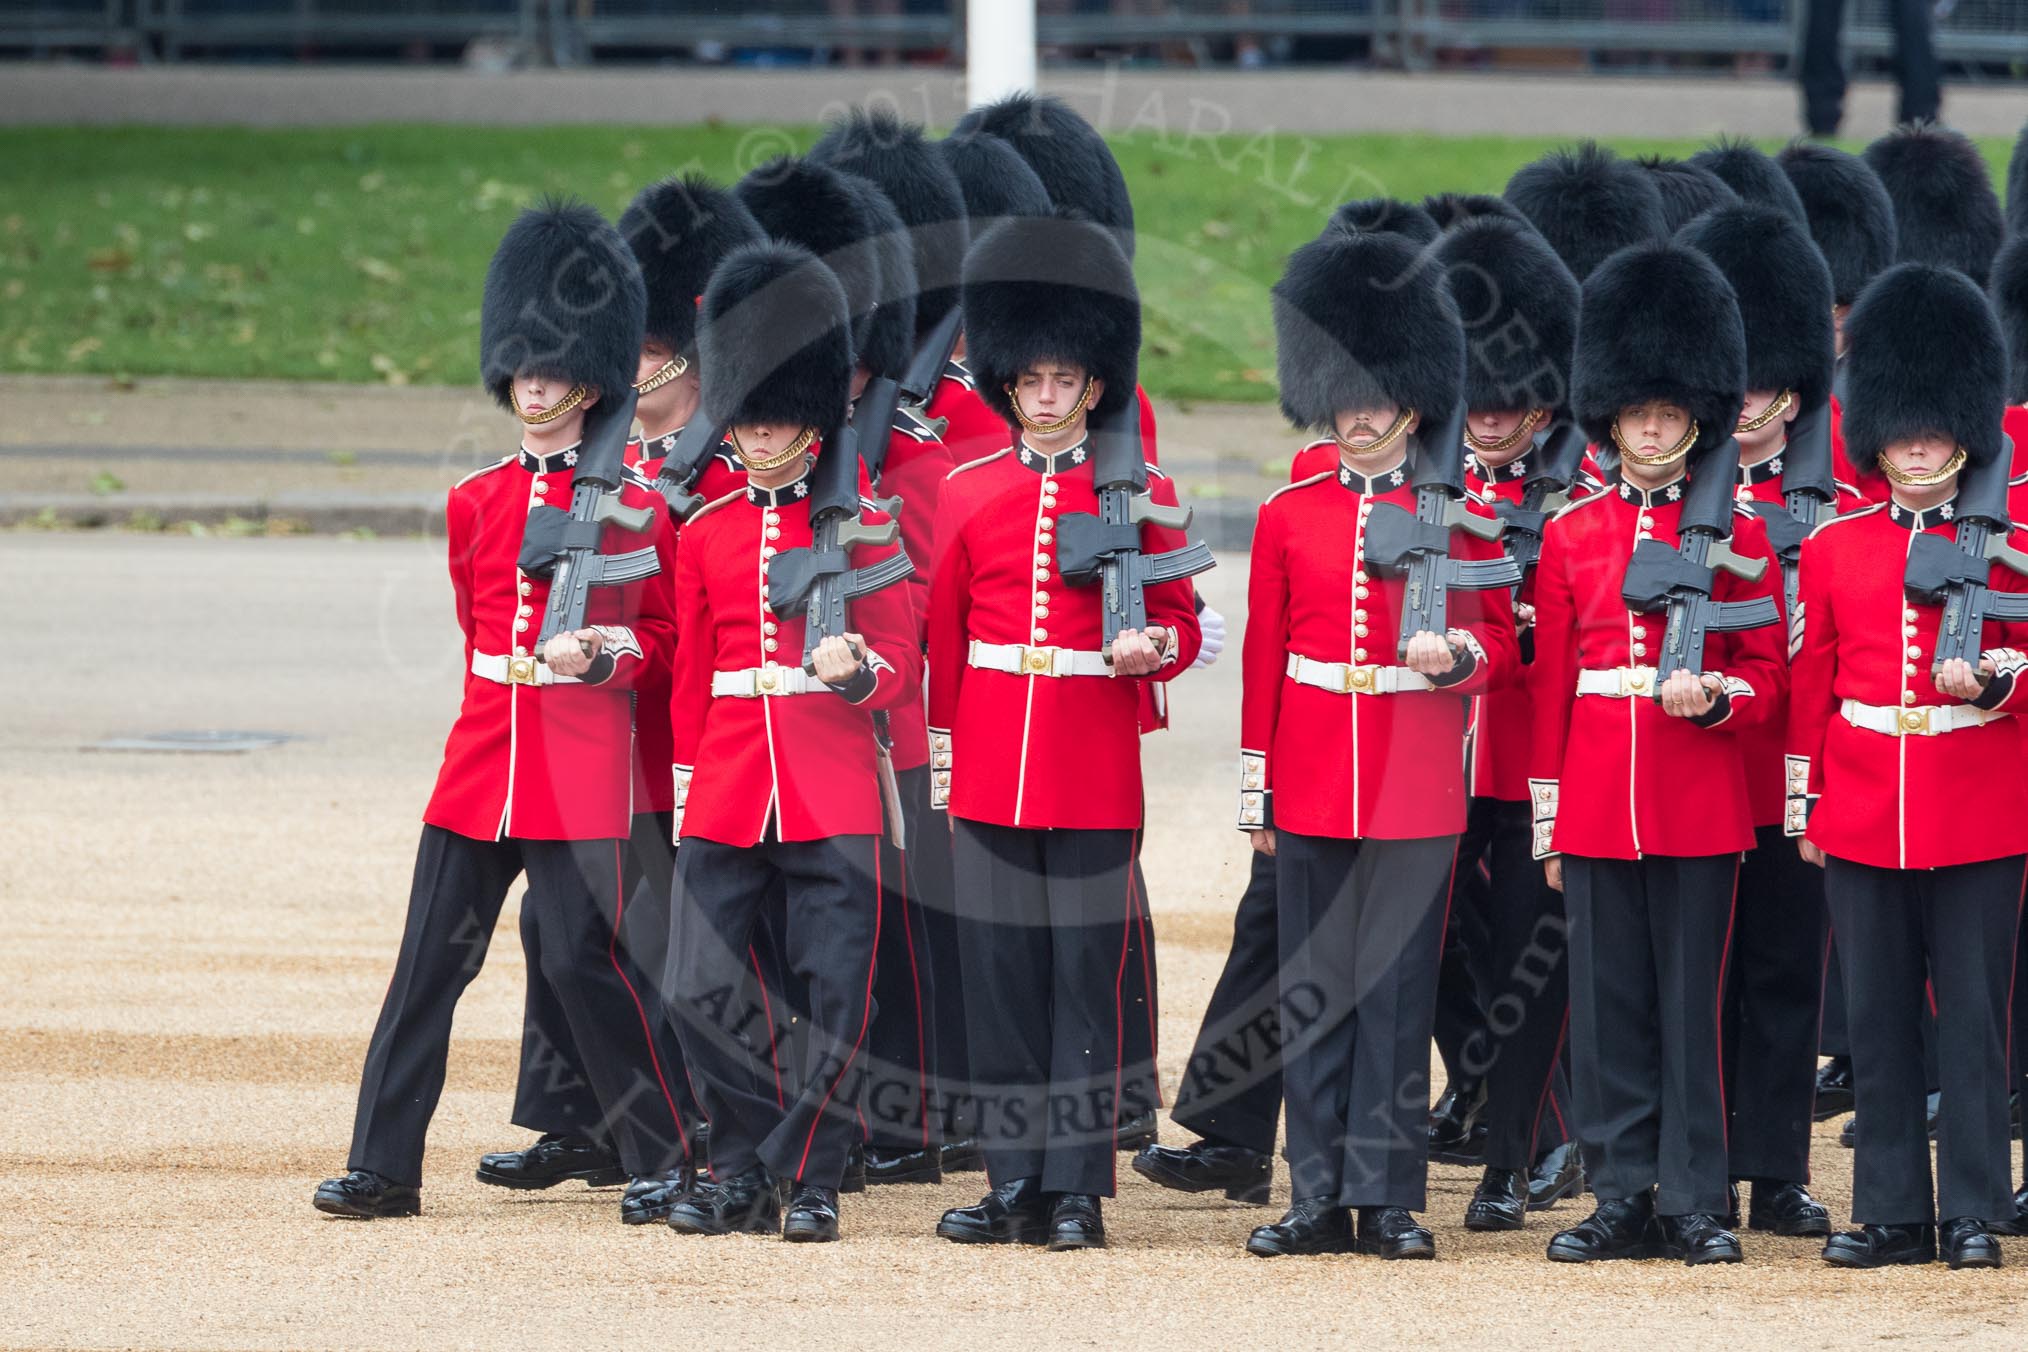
(574, 890)
(902, 1109)
(552, 1093)
(824, 895)
(1774, 989)
(1043, 924)
(1525, 991)
(1647, 962)
(1361, 928)
(1901, 934)
(1232, 1085)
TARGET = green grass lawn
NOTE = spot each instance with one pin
(356, 254)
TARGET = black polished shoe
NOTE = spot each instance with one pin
(1456, 1136)
(1699, 1239)
(963, 1156)
(1967, 1243)
(2018, 1224)
(1500, 1202)
(363, 1195)
(649, 1199)
(1834, 1089)
(1875, 1246)
(1013, 1213)
(855, 1169)
(746, 1204)
(812, 1217)
(553, 1159)
(1075, 1222)
(1621, 1229)
(1390, 1232)
(1206, 1166)
(1787, 1209)
(1314, 1225)
(1848, 1135)
(1136, 1132)
(1557, 1175)
(904, 1166)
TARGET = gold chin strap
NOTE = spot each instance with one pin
(774, 462)
(667, 372)
(1512, 439)
(1386, 439)
(1929, 480)
(1061, 424)
(1668, 457)
(1770, 413)
(553, 412)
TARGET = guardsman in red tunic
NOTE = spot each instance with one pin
(1852, 221)
(536, 776)
(1034, 728)
(678, 229)
(1892, 756)
(1519, 303)
(1775, 963)
(1641, 803)
(1345, 774)
(779, 792)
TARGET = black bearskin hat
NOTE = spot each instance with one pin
(1687, 189)
(1518, 304)
(1945, 209)
(1588, 203)
(1658, 321)
(1386, 216)
(563, 300)
(802, 202)
(1455, 208)
(1066, 152)
(1783, 289)
(679, 230)
(995, 181)
(1748, 171)
(1904, 383)
(775, 339)
(1055, 288)
(2010, 300)
(892, 154)
(1361, 320)
(1850, 215)
(2017, 185)
(886, 342)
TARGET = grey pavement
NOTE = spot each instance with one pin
(1172, 102)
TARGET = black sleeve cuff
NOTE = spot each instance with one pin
(1720, 710)
(600, 671)
(860, 688)
(1466, 662)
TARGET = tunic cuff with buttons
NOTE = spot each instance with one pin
(1542, 796)
(1256, 800)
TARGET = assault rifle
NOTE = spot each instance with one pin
(1956, 572)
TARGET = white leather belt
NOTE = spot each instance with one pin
(1342, 678)
(754, 682)
(1022, 660)
(1922, 720)
(517, 671)
(1617, 682)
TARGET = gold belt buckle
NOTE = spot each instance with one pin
(522, 671)
(1635, 681)
(1038, 661)
(1913, 722)
(765, 681)
(1361, 679)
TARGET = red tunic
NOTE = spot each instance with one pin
(540, 762)
(915, 469)
(807, 761)
(1618, 777)
(1035, 750)
(1353, 765)
(1891, 801)
(1503, 718)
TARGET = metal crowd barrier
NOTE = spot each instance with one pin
(1402, 32)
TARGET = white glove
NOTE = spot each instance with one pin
(1212, 625)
